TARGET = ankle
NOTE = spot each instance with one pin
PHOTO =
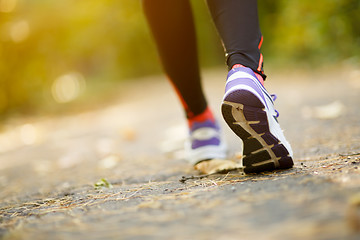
(206, 115)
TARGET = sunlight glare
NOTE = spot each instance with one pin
(7, 6)
(19, 31)
(28, 134)
(68, 87)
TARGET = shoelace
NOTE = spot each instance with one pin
(274, 97)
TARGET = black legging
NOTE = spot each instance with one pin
(172, 25)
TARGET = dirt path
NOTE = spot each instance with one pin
(48, 168)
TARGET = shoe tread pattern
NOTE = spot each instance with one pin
(245, 115)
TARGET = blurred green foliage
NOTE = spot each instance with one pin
(323, 31)
(108, 41)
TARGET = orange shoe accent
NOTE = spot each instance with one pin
(260, 62)
(260, 78)
(202, 117)
(237, 65)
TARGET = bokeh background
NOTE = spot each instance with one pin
(57, 56)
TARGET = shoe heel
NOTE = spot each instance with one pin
(244, 97)
(262, 150)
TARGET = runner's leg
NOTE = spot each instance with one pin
(172, 25)
(171, 22)
(238, 25)
(247, 107)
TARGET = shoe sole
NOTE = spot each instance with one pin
(245, 115)
(206, 153)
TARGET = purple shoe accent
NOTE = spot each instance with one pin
(242, 80)
(273, 96)
(208, 124)
(245, 81)
(197, 143)
(201, 143)
(205, 142)
(277, 114)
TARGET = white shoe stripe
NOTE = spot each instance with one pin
(275, 128)
(240, 74)
(204, 133)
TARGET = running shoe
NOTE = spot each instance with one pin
(205, 142)
(249, 111)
